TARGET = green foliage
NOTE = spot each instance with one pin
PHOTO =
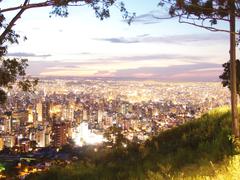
(2, 168)
(236, 142)
(115, 138)
(226, 75)
(200, 8)
(202, 13)
(12, 71)
(188, 149)
(100, 7)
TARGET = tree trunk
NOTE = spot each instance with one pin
(233, 73)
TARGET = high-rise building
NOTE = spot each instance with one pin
(15, 124)
(124, 108)
(1, 144)
(47, 130)
(68, 113)
(8, 122)
(100, 116)
(9, 140)
(40, 138)
(59, 133)
(30, 114)
(8, 125)
(78, 116)
(46, 110)
(85, 115)
(47, 139)
(22, 116)
(39, 109)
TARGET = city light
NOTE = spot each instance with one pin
(83, 111)
(83, 136)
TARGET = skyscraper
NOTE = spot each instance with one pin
(39, 109)
(59, 133)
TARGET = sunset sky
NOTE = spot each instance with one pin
(82, 45)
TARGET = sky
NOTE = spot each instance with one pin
(82, 45)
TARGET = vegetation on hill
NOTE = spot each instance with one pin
(200, 148)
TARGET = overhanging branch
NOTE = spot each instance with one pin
(210, 28)
(12, 22)
(180, 20)
(214, 9)
(28, 6)
(37, 5)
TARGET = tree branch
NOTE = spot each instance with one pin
(12, 23)
(28, 6)
(192, 18)
(37, 5)
(215, 9)
(210, 28)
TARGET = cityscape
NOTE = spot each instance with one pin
(64, 111)
(119, 90)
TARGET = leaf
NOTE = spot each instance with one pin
(213, 21)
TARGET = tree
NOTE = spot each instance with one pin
(13, 70)
(226, 75)
(115, 138)
(205, 14)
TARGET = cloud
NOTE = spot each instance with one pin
(188, 72)
(158, 57)
(116, 63)
(80, 53)
(174, 39)
(24, 54)
(104, 74)
(191, 72)
(85, 53)
(138, 58)
(119, 40)
(36, 67)
(187, 38)
(150, 17)
(36, 28)
(143, 35)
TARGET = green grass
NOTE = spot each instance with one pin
(197, 149)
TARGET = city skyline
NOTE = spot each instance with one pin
(119, 89)
(148, 48)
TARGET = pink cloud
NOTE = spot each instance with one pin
(197, 74)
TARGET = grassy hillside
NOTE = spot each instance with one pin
(201, 148)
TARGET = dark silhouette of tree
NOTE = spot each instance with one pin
(33, 145)
(13, 70)
(226, 75)
(202, 13)
(115, 138)
(206, 14)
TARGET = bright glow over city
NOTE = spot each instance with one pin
(82, 136)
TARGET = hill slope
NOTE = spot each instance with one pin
(196, 149)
